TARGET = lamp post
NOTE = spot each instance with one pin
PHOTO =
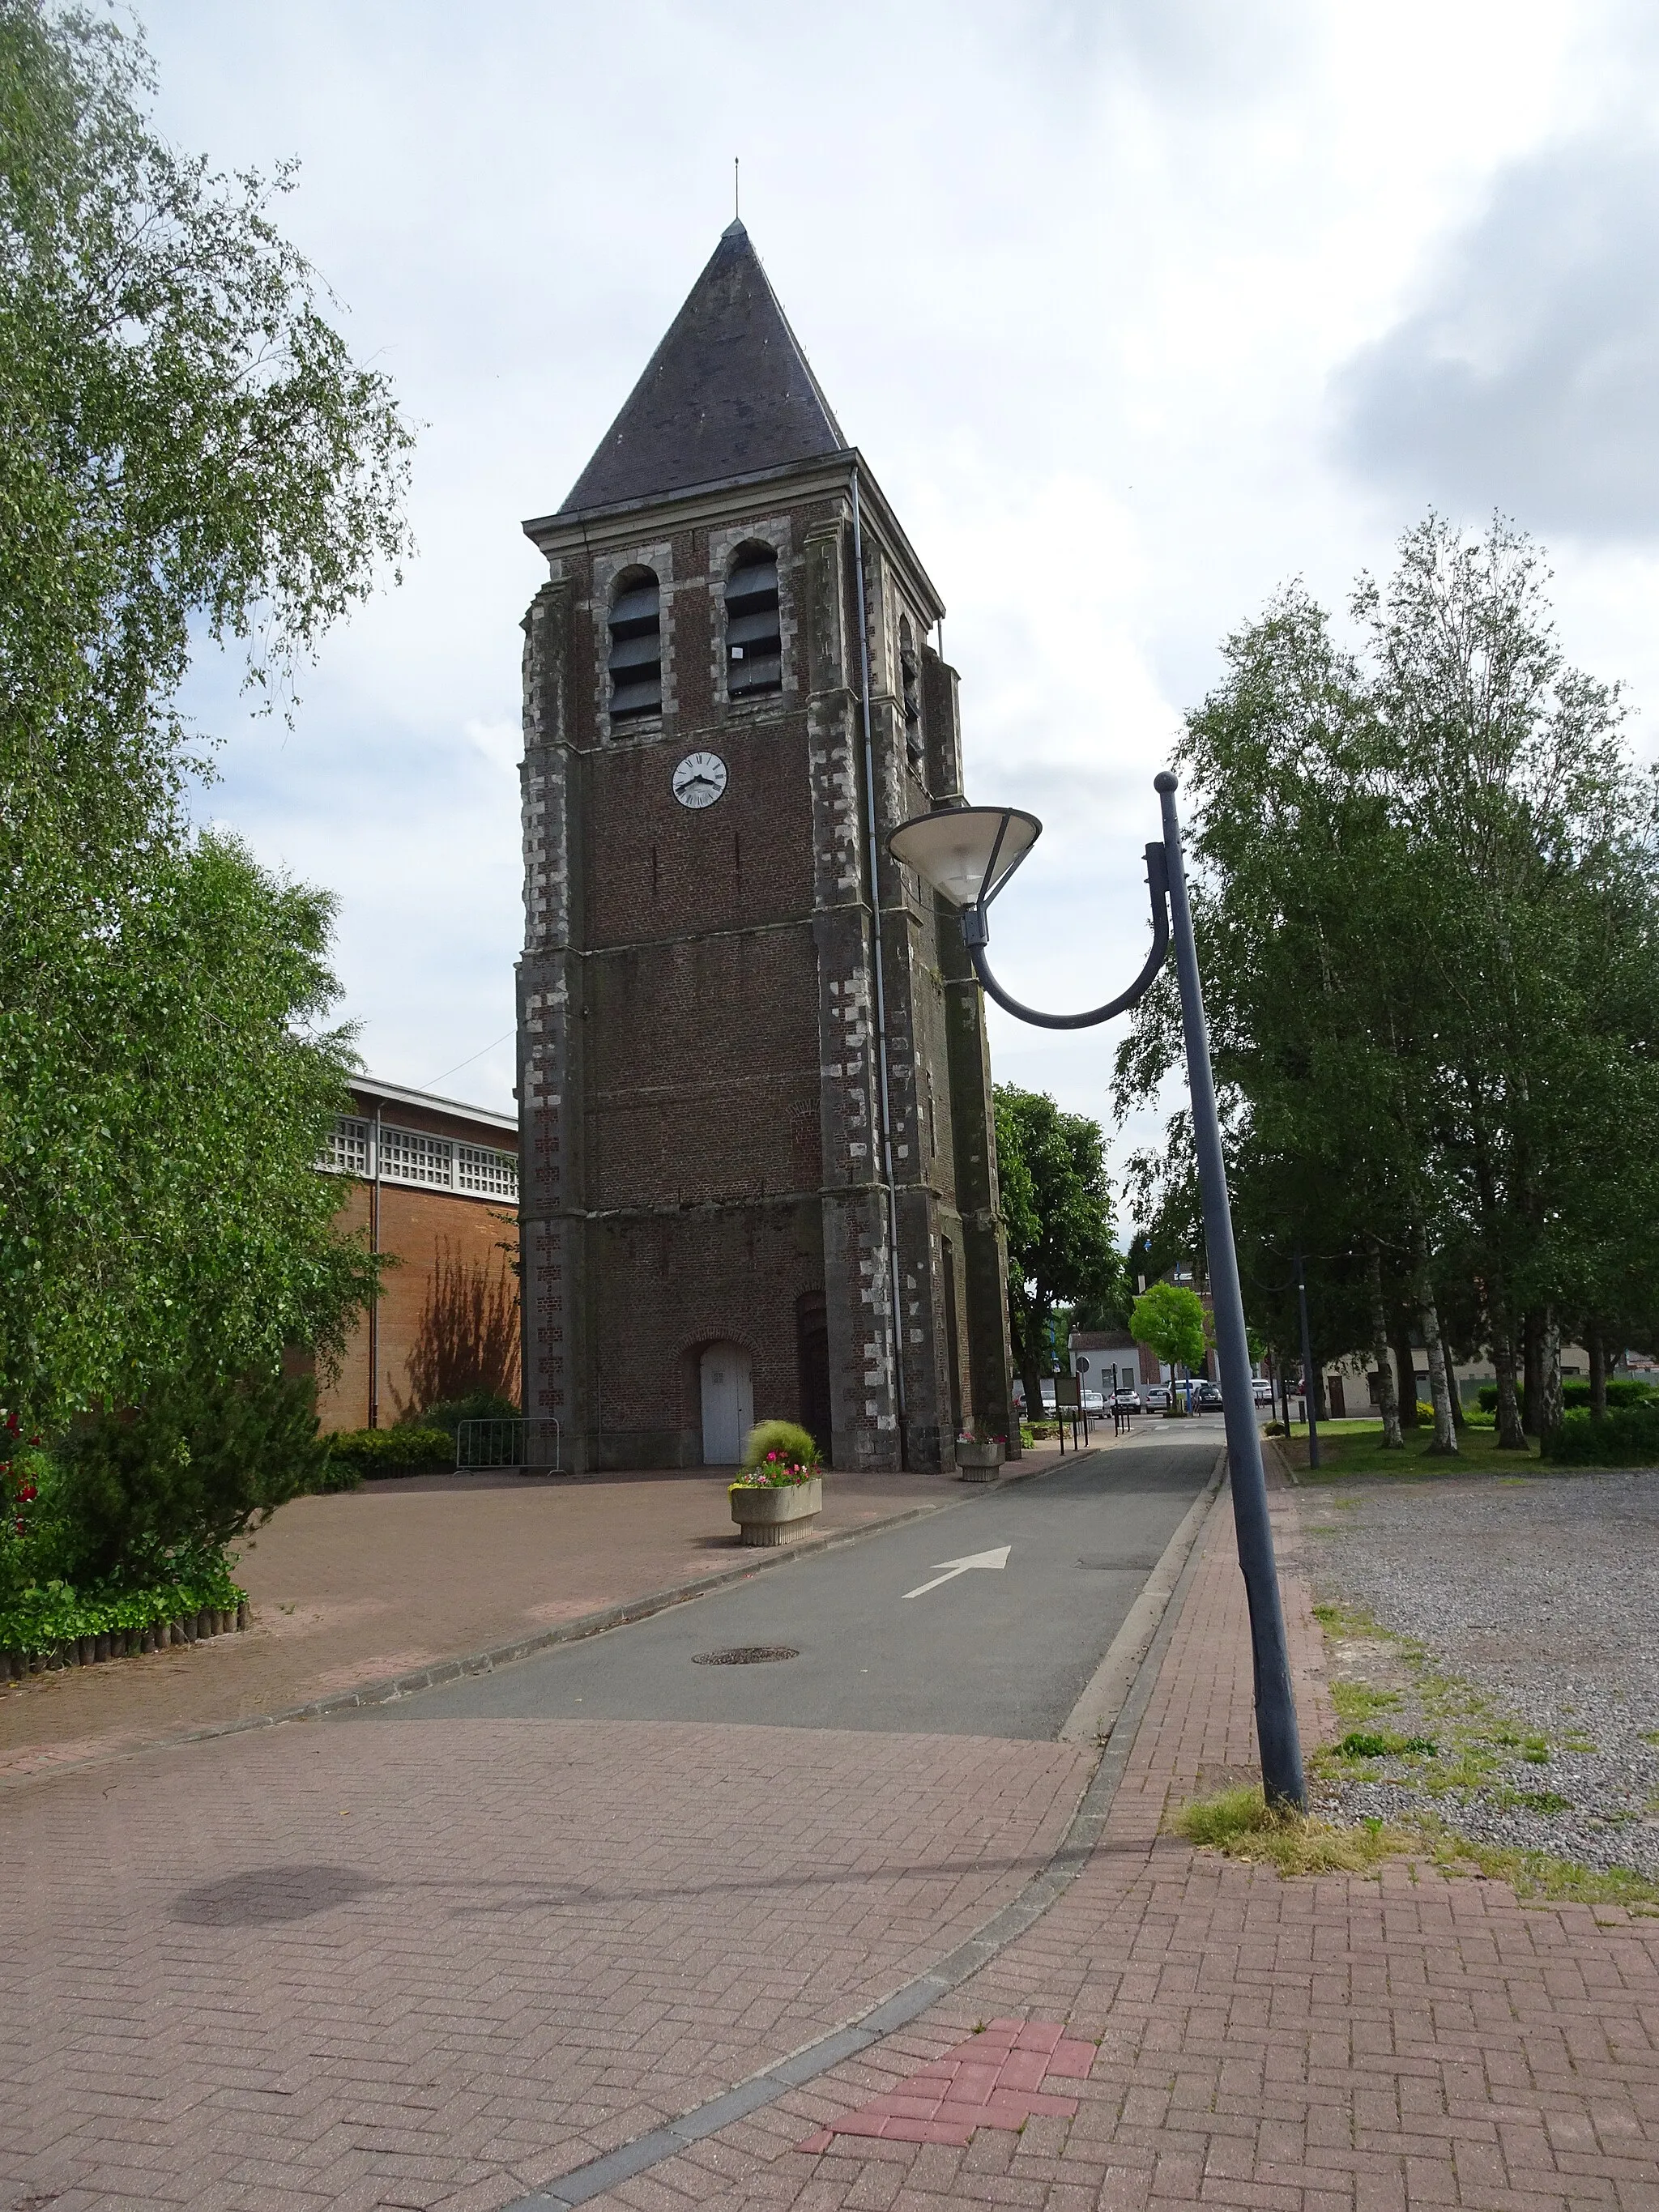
(968, 854)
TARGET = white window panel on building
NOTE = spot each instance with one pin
(409, 1156)
(488, 1172)
(348, 1148)
(406, 1156)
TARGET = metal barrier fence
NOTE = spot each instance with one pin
(481, 1445)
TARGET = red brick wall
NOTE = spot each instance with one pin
(423, 1228)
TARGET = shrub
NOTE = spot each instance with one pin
(780, 1453)
(480, 1406)
(378, 1452)
(1629, 1436)
(52, 1614)
(152, 1494)
(1622, 1390)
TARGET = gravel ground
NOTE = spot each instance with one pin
(1541, 1593)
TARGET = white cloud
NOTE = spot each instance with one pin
(1077, 276)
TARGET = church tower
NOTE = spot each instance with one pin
(758, 1163)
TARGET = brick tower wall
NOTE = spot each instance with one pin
(699, 1081)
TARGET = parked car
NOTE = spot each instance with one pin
(1262, 1391)
(1092, 1401)
(1206, 1398)
(1156, 1396)
(1018, 1393)
(1126, 1401)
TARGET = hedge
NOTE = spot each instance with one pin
(43, 1617)
(1622, 1390)
(1628, 1436)
(356, 1453)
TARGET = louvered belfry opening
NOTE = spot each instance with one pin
(910, 679)
(754, 645)
(635, 661)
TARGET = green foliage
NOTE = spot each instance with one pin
(388, 1451)
(187, 441)
(1365, 1743)
(778, 1452)
(1628, 1436)
(154, 1494)
(1170, 1317)
(1622, 1390)
(53, 1613)
(1425, 884)
(187, 454)
(449, 1412)
(166, 1089)
(1057, 1213)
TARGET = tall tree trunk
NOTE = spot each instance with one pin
(1511, 1435)
(1386, 1396)
(1025, 1333)
(1549, 1403)
(1405, 1369)
(1596, 1345)
(1445, 1432)
(1532, 1340)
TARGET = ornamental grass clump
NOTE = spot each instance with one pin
(778, 1456)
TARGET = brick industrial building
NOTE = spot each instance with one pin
(753, 1081)
(434, 1184)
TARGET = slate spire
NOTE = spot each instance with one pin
(728, 392)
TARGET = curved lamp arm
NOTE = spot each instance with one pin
(976, 935)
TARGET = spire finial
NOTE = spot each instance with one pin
(737, 199)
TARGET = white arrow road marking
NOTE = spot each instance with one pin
(955, 1567)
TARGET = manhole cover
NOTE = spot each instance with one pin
(745, 1654)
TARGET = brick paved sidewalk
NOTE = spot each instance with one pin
(338, 1965)
(1328, 2045)
(396, 1576)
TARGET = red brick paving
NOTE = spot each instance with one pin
(1334, 2044)
(430, 1963)
(512, 1945)
(993, 2080)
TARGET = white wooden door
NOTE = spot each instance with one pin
(728, 1404)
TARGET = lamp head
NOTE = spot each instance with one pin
(966, 854)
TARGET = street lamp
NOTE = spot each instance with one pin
(968, 854)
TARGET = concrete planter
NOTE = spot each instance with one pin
(978, 1462)
(773, 1516)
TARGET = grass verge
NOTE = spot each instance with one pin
(1349, 1448)
(1242, 1826)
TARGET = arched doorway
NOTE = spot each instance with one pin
(812, 1338)
(728, 1403)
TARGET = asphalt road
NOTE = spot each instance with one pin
(991, 1651)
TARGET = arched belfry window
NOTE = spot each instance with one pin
(910, 679)
(635, 661)
(754, 645)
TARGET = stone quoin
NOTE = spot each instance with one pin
(718, 1208)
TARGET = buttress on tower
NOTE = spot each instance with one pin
(758, 1155)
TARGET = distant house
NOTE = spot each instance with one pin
(435, 1185)
(1116, 1361)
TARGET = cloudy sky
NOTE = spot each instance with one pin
(1136, 308)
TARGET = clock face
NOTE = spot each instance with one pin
(700, 779)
